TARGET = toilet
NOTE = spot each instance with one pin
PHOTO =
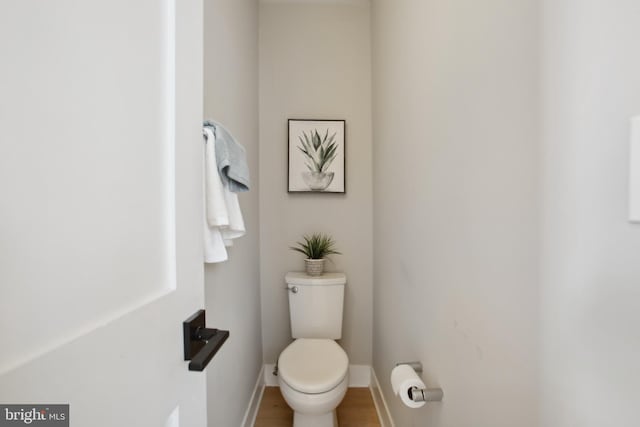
(313, 371)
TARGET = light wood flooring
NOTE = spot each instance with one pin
(356, 410)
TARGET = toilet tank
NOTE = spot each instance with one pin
(315, 304)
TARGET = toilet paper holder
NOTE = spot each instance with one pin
(422, 394)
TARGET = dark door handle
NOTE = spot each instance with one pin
(201, 343)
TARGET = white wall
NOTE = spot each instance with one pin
(315, 63)
(467, 179)
(591, 271)
(455, 160)
(232, 288)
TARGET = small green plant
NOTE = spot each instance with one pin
(319, 151)
(316, 246)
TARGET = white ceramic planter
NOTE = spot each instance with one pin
(314, 267)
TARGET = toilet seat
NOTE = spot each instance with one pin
(313, 366)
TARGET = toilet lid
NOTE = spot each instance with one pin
(313, 365)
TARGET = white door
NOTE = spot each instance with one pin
(100, 210)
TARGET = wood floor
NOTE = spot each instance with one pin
(356, 410)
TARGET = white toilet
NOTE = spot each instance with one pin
(313, 370)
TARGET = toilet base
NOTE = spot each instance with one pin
(314, 410)
(329, 419)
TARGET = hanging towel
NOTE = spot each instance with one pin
(231, 159)
(217, 215)
(222, 217)
(236, 222)
(214, 246)
(215, 211)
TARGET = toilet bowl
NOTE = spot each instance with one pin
(313, 378)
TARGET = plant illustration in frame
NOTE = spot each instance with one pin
(316, 156)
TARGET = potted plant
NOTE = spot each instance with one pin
(316, 247)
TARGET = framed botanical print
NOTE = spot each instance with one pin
(316, 156)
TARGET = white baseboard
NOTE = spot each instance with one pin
(359, 375)
(380, 403)
(254, 404)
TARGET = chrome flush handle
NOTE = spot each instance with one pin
(293, 289)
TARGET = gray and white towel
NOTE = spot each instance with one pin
(223, 220)
(231, 158)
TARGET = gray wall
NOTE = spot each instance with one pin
(232, 288)
(590, 266)
(455, 190)
(315, 63)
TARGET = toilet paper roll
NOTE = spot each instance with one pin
(403, 377)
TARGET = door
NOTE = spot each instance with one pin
(100, 208)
